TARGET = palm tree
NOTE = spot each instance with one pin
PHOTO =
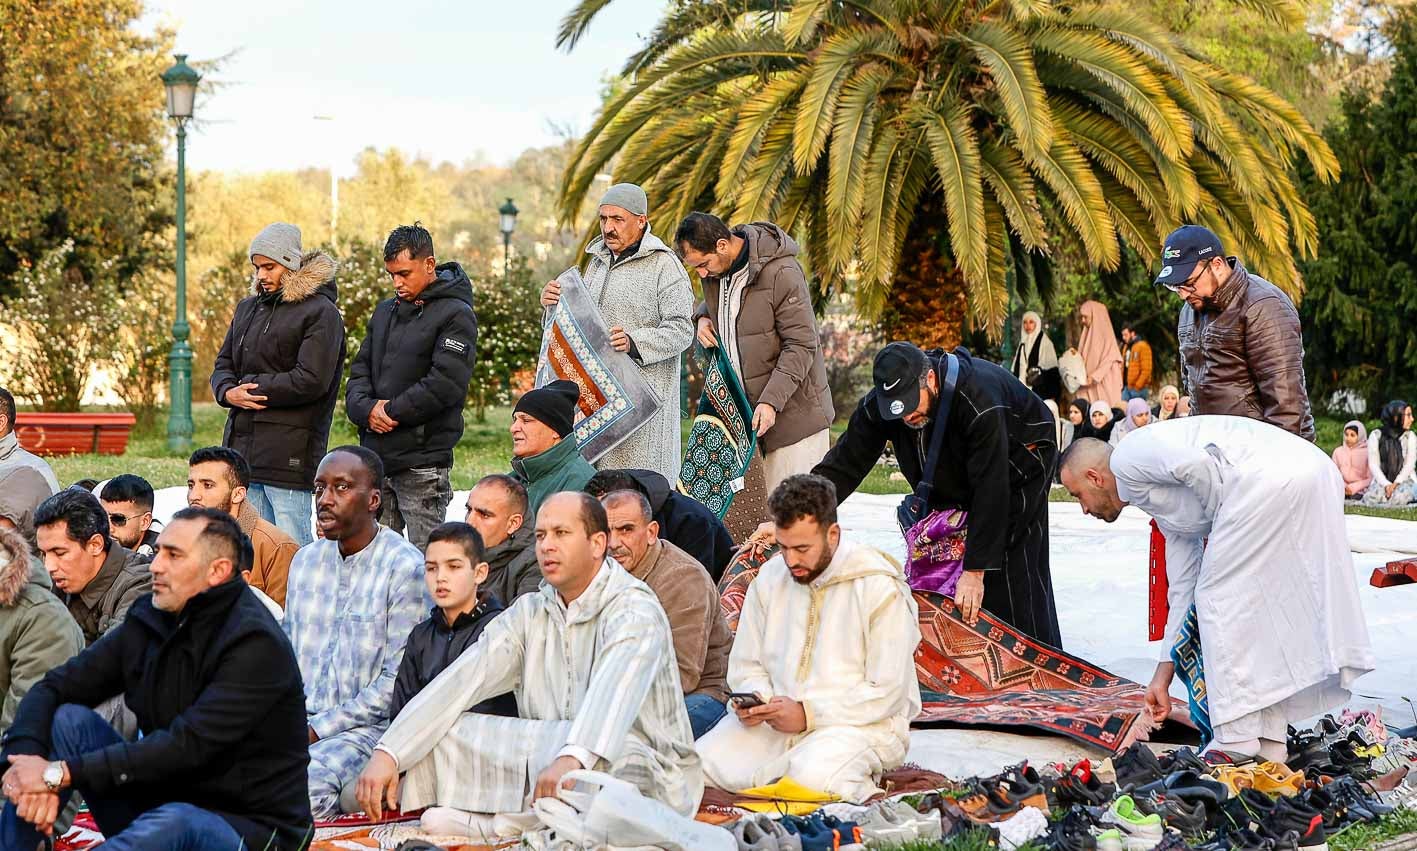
(987, 133)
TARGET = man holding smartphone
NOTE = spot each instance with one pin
(828, 707)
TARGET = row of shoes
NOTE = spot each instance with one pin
(816, 832)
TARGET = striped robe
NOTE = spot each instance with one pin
(598, 676)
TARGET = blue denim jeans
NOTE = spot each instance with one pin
(288, 509)
(704, 713)
(170, 827)
(1128, 394)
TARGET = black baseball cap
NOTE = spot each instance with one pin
(1187, 246)
(896, 376)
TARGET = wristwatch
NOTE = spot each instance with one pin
(54, 775)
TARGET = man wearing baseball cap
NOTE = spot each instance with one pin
(996, 459)
(1241, 350)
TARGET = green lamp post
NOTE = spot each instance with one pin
(181, 82)
(508, 215)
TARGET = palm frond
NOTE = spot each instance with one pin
(883, 182)
(831, 65)
(1009, 60)
(954, 148)
(1115, 150)
(989, 299)
(852, 132)
(754, 117)
(1012, 187)
(802, 20)
(1065, 171)
(577, 22)
(765, 175)
(1118, 67)
(1278, 115)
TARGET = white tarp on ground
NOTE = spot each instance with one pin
(1100, 580)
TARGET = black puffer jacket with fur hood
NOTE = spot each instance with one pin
(291, 344)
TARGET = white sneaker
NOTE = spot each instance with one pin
(446, 821)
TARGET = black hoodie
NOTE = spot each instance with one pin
(290, 343)
(687, 523)
(419, 356)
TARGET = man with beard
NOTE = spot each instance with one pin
(217, 477)
(831, 705)
(352, 600)
(128, 499)
(998, 447)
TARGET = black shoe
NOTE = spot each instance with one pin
(1191, 787)
(1081, 787)
(1249, 809)
(1336, 813)
(1189, 819)
(1288, 817)
(1360, 803)
(1183, 759)
(1072, 832)
(1137, 766)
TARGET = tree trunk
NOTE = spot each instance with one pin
(927, 304)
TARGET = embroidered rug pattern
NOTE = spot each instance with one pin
(721, 441)
(575, 345)
(990, 673)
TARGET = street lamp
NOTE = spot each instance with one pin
(508, 214)
(181, 82)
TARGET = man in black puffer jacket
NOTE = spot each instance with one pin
(214, 684)
(278, 375)
(409, 381)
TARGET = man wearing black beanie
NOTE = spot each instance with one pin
(545, 457)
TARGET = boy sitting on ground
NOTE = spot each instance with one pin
(455, 569)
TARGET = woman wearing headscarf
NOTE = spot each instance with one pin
(1352, 460)
(1391, 458)
(1078, 418)
(1035, 359)
(1136, 416)
(1166, 408)
(1101, 419)
(1100, 355)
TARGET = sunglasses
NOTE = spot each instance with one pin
(122, 519)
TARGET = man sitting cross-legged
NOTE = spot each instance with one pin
(826, 640)
(690, 600)
(222, 758)
(589, 659)
(497, 509)
(352, 599)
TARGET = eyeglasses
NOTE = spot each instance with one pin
(1189, 284)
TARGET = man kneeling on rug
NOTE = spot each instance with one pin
(831, 706)
(589, 659)
(219, 702)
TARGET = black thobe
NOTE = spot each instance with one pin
(997, 462)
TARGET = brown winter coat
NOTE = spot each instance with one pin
(779, 346)
(689, 597)
(273, 550)
(1242, 354)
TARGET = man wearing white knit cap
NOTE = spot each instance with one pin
(278, 373)
(646, 301)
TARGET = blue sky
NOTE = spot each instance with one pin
(445, 80)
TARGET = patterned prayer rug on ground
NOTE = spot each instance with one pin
(575, 345)
(992, 674)
(721, 441)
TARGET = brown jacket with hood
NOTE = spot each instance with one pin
(689, 597)
(769, 309)
(273, 551)
(1242, 354)
(36, 632)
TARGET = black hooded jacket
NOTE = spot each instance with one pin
(433, 646)
(419, 356)
(218, 698)
(687, 523)
(290, 343)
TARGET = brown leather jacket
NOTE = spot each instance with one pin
(1241, 354)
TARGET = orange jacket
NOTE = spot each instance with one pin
(1137, 358)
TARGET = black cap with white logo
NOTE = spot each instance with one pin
(896, 375)
(1187, 246)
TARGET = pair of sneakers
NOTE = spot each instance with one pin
(1126, 827)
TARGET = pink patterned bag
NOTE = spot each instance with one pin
(935, 551)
